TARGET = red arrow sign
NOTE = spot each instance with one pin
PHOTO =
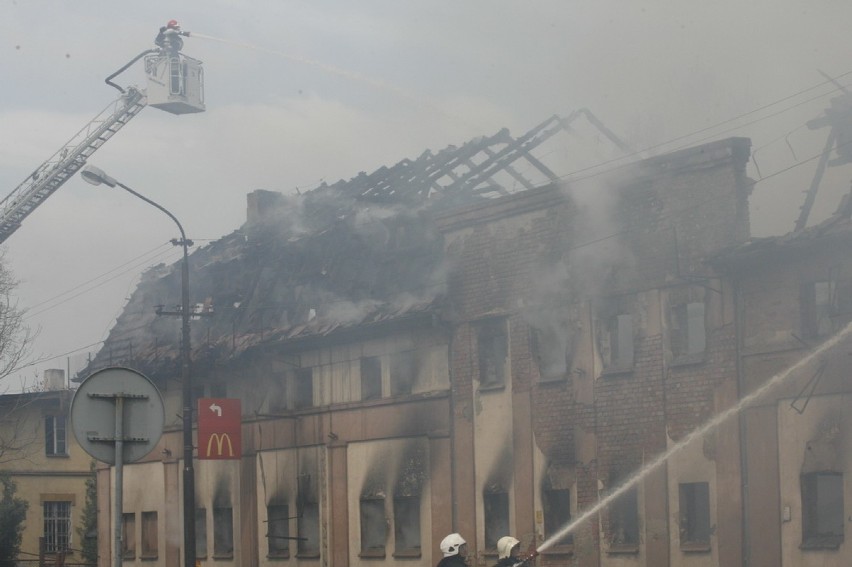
(219, 428)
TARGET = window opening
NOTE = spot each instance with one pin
(406, 521)
(223, 532)
(373, 527)
(624, 520)
(493, 352)
(688, 333)
(128, 536)
(304, 394)
(55, 433)
(278, 530)
(201, 533)
(695, 515)
(496, 510)
(403, 373)
(150, 541)
(620, 341)
(822, 510)
(371, 378)
(57, 526)
(557, 513)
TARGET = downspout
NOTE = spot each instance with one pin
(741, 418)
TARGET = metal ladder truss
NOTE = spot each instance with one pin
(62, 165)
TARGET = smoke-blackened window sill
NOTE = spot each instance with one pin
(822, 543)
(372, 554)
(308, 555)
(407, 554)
(152, 557)
(223, 556)
(278, 556)
(492, 387)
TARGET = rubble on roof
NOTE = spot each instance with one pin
(357, 252)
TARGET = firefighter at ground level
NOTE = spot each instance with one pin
(454, 548)
(509, 553)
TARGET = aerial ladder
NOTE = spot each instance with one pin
(175, 83)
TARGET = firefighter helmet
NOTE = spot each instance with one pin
(173, 24)
(505, 545)
(450, 545)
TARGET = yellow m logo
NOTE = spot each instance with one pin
(220, 441)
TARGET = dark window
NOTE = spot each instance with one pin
(55, 435)
(496, 509)
(695, 515)
(374, 527)
(403, 373)
(309, 530)
(128, 536)
(406, 522)
(201, 532)
(150, 539)
(822, 510)
(493, 351)
(371, 378)
(57, 526)
(557, 514)
(278, 530)
(687, 333)
(619, 330)
(304, 388)
(624, 520)
(223, 532)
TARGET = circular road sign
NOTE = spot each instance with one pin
(93, 414)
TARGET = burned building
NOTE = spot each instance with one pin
(470, 342)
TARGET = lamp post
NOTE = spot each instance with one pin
(97, 176)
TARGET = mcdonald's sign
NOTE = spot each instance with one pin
(219, 428)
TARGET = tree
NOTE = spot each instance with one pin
(13, 512)
(88, 530)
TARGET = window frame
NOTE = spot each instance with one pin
(148, 537)
(223, 535)
(371, 378)
(406, 521)
(371, 514)
(57, 525)
(282, 547)
(128, 535)
(56, 435)
(301, 377)
(492, 343)
(813, 516)
(695, 525)
(495, 527)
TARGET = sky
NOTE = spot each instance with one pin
(301, 92)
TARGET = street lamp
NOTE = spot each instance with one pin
(97, 176)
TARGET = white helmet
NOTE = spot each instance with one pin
(450, 545)
(505, 545)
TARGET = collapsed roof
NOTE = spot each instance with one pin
(358, 252)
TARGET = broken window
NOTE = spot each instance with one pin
(374, 527)
(303, 395)
(223, 532)
(55, 436)
(201, 533)
(624, 520)
(552, 346)
(371, 378)
(308, 526)
(496, 513)
(406, 526)
(403, 372)
(128, 536)
(150, 540)
(822, 510)
(694, 501)
(618, 342)
(278, 530)
(493, 352)
(687, 332)
(57, 526)
(557, 513)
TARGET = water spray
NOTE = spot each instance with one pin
(709, 426)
